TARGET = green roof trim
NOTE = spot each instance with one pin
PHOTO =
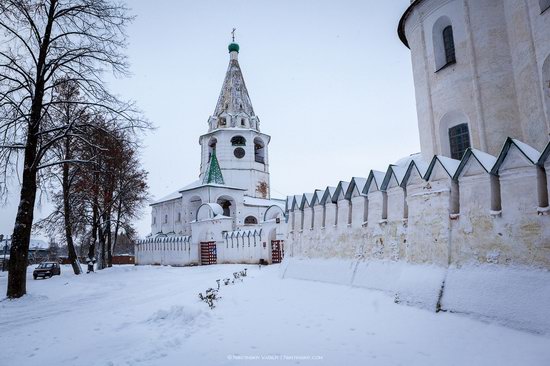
(213, 172)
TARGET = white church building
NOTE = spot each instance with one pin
(227, 215)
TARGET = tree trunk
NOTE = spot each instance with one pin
(17, 267)
(67, 211)
(109, 241)
(95, 227)
(102, 237)
(117, 224)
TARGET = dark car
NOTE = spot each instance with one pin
(47, 269)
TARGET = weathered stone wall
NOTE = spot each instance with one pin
(498, 219)
(440, 223)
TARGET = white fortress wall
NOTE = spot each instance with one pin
(428, 226)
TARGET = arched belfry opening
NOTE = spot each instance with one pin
(238, 141)
(259, 150)
(211, 146)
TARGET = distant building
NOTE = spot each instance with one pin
(39, 250)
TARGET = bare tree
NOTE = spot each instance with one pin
(46, 43)
(112, 184)
(132, 192)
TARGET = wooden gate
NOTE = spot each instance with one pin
(208, 252)
(277, 251)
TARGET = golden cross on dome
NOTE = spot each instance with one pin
(233, 34)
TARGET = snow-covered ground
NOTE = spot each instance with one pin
(152, 316)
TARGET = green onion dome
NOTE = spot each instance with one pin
(233, 47)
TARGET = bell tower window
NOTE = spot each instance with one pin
(211, 146)
(459, 140)
(238, 141)
(259, 151)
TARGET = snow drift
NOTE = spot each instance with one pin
(515, 297)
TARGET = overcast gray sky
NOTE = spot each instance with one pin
(330, 81)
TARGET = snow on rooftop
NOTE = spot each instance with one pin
(170, 197)
(344, 186)
(399, 172)
(262, 202)
(450, 165)
(308, 198)
(359, 182)
(486, 160)
(318, 195)
(528, 150)
(422, 165)
(378, 177)
(405, 161)
(331, 190)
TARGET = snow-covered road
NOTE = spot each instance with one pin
(152, 316)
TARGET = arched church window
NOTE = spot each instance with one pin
(443, 43)
(449, 44)
(259, 150)
(250, 220)
(459, 140)
(238, 141)
(544, 5)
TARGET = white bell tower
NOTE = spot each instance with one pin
(234, 133)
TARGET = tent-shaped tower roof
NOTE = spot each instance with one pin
(234, 96)
(213, 173)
